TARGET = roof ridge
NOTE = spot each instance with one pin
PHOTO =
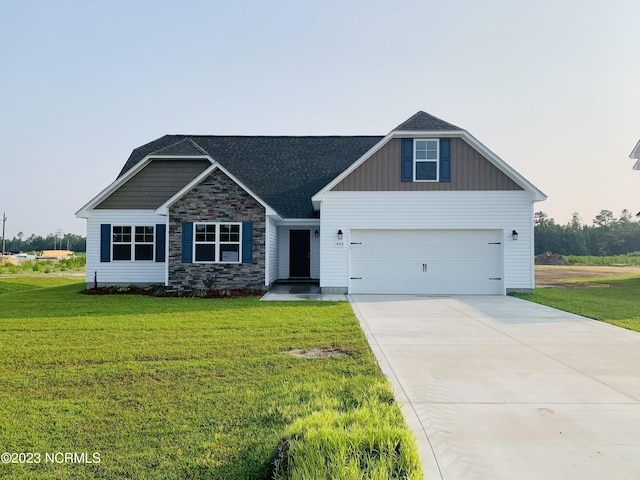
(422, 120)
(177, 147)
(197, 146)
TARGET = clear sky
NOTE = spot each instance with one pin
(552, 87)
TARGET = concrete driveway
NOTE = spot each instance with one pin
(500, 388)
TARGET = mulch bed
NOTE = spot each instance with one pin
(153, 292)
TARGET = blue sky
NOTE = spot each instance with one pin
(552, 87)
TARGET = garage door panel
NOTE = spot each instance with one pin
(426, 261)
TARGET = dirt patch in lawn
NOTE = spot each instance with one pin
(317, 352)
(562, 276)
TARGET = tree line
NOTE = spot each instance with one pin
(607, 235)
(53, 241)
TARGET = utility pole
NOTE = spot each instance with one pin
(4, 221)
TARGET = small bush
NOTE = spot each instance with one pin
(158, 289)
(211, 283)
(199, 293)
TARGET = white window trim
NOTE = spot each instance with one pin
(437, 160)
(133, 243)
(216, 244)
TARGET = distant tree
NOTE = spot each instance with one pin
(542, 219)
(604, 218)
(576, 220)
(625, 217)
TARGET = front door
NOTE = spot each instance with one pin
(299, 253)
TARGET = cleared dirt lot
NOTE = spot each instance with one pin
(560, 275)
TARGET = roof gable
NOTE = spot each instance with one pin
(470, 171)
(422, 121)
(158, 181)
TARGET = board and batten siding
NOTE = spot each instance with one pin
(469, 171)
(121, 272)
(505, 210)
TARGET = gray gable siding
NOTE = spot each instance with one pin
(154, 184)
(469, 171)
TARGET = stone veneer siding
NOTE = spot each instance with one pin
(216, 199)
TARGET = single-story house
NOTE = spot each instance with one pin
(425, 209)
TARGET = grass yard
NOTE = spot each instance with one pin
(175, 388)
(611, 300)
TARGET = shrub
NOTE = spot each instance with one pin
(210, 283)
(158, 289)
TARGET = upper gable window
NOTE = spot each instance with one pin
(426, 160)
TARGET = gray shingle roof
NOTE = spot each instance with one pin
(186, 147)
(422, 121)
(285, 172)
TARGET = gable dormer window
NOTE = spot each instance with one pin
(426, 160)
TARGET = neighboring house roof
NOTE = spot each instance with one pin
(635, 154)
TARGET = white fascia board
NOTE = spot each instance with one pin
(163, 209)
(538, 195)
(635, 153)
(299, 221)
(503, 166)
(118, 182)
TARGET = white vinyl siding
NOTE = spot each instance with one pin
(141, 272)
(272, 251)
(485, 210)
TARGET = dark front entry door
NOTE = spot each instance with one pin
(299, 253)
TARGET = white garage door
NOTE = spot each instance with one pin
(426, 261)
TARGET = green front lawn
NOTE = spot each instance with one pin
(178, 388)
(615, 301)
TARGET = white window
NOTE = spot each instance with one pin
(217, 242)
(426, 159)
(136, 240)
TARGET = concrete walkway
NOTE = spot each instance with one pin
(500, 388)
(300, 291)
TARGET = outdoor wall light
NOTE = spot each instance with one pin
(316, 234)
(340, 234)
(514, 235)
